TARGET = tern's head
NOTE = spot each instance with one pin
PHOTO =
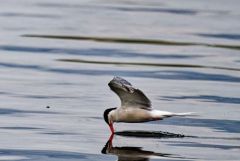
(106, 115)
(107, 118)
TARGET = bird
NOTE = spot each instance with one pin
(135, 106)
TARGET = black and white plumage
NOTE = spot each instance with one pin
(135, 106)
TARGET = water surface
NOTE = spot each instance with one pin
(56, 58)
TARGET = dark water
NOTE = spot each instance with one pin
(56, 58)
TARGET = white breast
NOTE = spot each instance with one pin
(131, 115)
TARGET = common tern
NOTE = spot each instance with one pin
(135, 106)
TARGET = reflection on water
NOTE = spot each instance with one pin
(149, 134)
(127, 153)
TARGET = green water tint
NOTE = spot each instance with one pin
(147, 64)
(133, 41)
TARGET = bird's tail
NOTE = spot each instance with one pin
(158, 115)
(185, 114)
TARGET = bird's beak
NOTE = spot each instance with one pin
(111, 128)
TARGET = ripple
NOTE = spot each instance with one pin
(38, 155)
(230, 126)
(28, 15)
(203, 145)
(222, 36)
(21, 128)
(152, 9)
(133, 41)
(7, 111)
(147, 64)
(34, 96)
(93, 52)
(208, 98)
(156, 74)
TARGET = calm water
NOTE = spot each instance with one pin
(183, 54)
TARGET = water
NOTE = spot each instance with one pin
(56, 58)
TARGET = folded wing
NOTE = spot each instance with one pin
(129, 96)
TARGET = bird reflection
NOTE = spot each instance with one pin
(132, 153)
